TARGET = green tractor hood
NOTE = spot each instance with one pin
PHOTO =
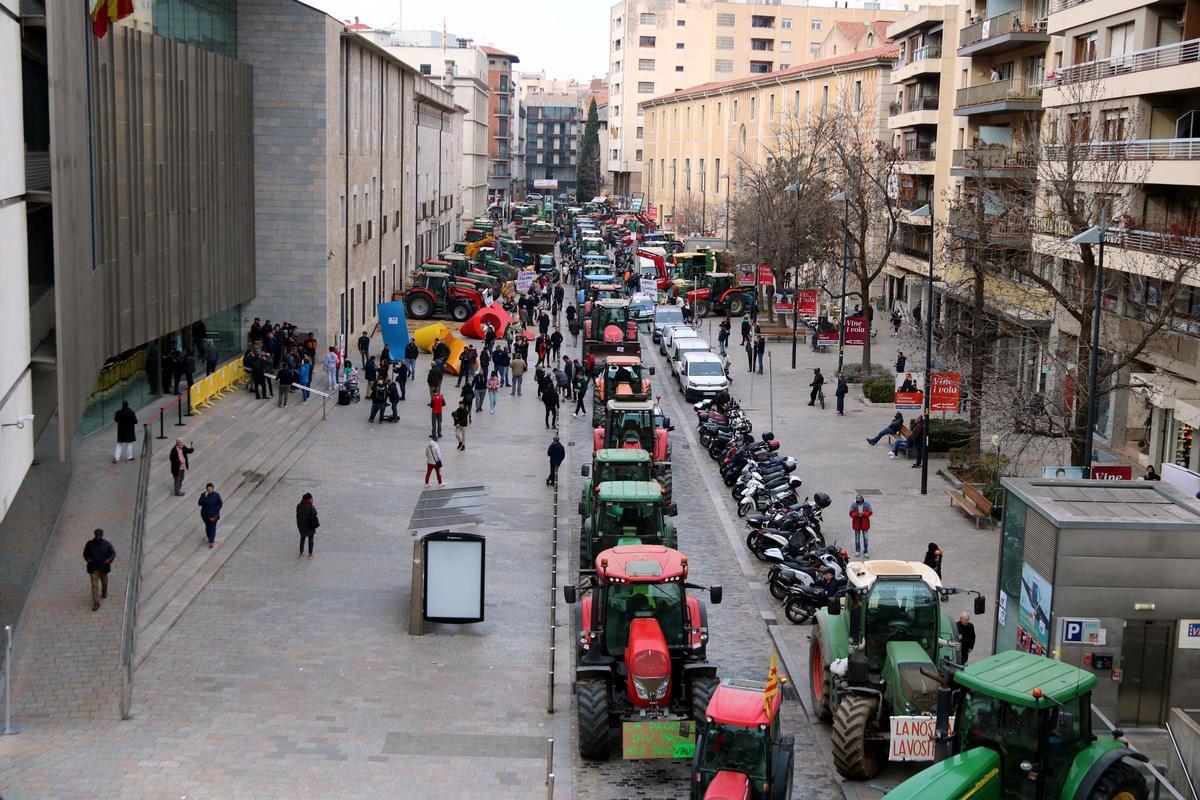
(974, 774)
(912, 691)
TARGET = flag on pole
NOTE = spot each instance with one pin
(772, 687)
(106, 12)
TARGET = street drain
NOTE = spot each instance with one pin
(869, 492)
(253, 477)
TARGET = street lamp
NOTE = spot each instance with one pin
(793, 187)
(927, 211)
(726, 178)
(844, 198)
(1093, 235)
(703, 197)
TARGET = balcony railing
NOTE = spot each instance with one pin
(992, 158)
(1180, 240)
(920, 54)
(1169, 55)
(997, 92)
(1008, 22)
(1134, 150)
(918, 154)
(1008, 225)
(926, 103)
(1063, 5)
(894, 108)
(915, 249)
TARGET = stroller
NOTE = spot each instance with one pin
(349, 390)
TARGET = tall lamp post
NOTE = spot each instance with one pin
(927, 211)
(703, 198)
(726, 179)
(844, 198)
(792, 187)
(1093, 235)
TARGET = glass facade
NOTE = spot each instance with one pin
(207, 24)
(1012, 560)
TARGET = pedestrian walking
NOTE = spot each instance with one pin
(305, 379)
(723, 332)
(461, 417)
(556, 340)
(900, 361)
(393, 397)
(434, 377)
(933, 558)
(892, 429)
(479, 386)
(436, 404)
(210, 511)
(860, 521)
(966, 637)
(307, 523)
(402, 375)
(745, 329)
(364, 347)
(840, 392)
(331, 369)
(98, 555)
(370, 370)
(817, 382)
(749, 343)
(760, 349)
(895, 320)
(468, 396)
(485, 362)
(433, 462)
(210, 357)
(180, 464)
(581, 384)
(411, 351)
(518, 373)
(493, 390)
(379, 396)
(285, 378)
(557, 454)
(126, 421)
(550, 401)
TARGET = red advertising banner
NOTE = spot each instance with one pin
(910, 391)
(783, 307)
(807, 299)
(944, 391)
(856, 331)
(765, 276)
(1112, 473)
(652, 213)
(826, 338)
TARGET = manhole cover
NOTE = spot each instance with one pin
(253, 477)
(869, 492)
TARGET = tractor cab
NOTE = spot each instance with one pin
(740, 752)
(690, 266)
(612, 465)
(609, 321)
(626, 513)
(624, 378)
(721, 282)
(593, 244)
(1023, 731)
(434, 280)
(629, 426)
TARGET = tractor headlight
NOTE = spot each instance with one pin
(651, 687)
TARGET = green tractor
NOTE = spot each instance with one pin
(626, 512)
(1023, 731)
(869, 662)
(613, 464)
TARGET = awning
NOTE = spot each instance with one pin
(1187, 413)
(897, 271)
(1168, 392)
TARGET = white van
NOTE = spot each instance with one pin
(701, 375)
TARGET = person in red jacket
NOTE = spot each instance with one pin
(860, 520)
(436, 403)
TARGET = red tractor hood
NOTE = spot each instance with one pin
(648, 664)
(613, 334)
(727, 785)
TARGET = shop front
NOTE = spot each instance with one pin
(1103, 575)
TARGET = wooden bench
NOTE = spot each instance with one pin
(973, 502)
(906, 434)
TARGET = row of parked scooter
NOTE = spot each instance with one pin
(784, 529)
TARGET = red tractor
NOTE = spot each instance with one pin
(436, 293)
(623, 378)
(719, 293)
(637, 425)
(642, 641)
(609, 330)
(740, 752)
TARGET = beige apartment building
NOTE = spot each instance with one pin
(660, 47)
(699, 141)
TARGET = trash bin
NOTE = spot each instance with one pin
(343, 397)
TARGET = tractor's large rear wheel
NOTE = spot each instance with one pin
(592, 698)
(461, 312)
(419, 306)
(666, 480)
(597, 409)
(818, 681)
(1119, 782)
(703, 308)
(702, 692)
(737, 306)
(856, 757)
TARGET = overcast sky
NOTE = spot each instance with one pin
(566, 38)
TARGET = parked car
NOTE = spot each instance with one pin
(669, 336)
(641, 309)
(684, 345)
(665, 316)
(701, 375)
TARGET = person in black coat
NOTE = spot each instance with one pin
(126, 421)
(180, 464)
(557, 454)
(933, 558)
(550, 401)
(210, 511)
(258, 374)
(98, 553)
(402, 374)
(306, 522)
(966, 636)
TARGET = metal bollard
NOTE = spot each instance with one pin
(9, 728)
(161, 422)
(550, 786)
(188, 395)
(549, 759)
(179, 409)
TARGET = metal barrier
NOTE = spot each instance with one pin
(1159, 786)
(302, 388)
(553, 601)
(133, 584)
(9, 728)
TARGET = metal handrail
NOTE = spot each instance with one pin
(1008, 22)
(993, 158)
(133, 585)
(1164, 243)
(925, 103)
(1063, 5)
(1130, 150)
(1168, 55)
(920, 54)
(919, 154)
(1160, 781)
(998, 91)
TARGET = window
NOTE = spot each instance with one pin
(815, 24)
(426, 69)
(858, 95)
(679, 45)
(703, 178)
(615, 155)
(617, 44)
(735, 105)
(762, 45)
(753, 105)
(759, 21)
(796, 104)
(662, 171)
(1114, 124)
(784, 66)
(646, 64)
(646, 41)
(679, 68)
(786, 23)
(645, 87)
(687, 117)
(674, 177)
(703, 113)
(760, 67)
(725, 20)
(637, 155)
(723, 65)
(1120, 40)
(771, 107)
(647, 18)
(641, 132)
(687, 174)
(1085, 48)
(717, 175)
(824, 98)
(785, 47)
(679, 23)
(814, 48)
(724, 42)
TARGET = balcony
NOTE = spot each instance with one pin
(923, 61)
(762, 45)
(1170, 162)
(1171, 55)
(998, 97)
(1002, 33)
(1011, 230)
(1066, 14)
(1173, 240)
(915, 111)
(991, 162)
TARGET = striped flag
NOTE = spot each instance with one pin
(772, 687)
(106, 12)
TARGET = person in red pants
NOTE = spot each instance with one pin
(433, 462)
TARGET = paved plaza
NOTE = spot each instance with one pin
(264, 675)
